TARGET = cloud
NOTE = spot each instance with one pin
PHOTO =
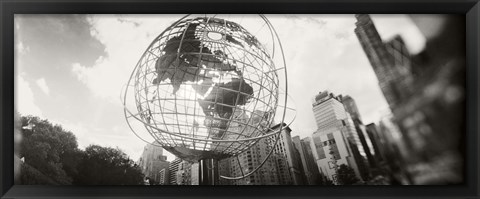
(21, 48)
(42, 84)
(24, 98)
(110, 73)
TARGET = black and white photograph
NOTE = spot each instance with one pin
(240, 99)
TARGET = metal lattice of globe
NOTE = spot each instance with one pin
(206, 88)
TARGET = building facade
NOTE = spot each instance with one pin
(365, 158)
(310, 170)
(283, 167)
(153, 161)
(172, 171)
(336, 140)
(286, 148)
(390, 61)
(163, 177)
(431, 122)
(246, 162)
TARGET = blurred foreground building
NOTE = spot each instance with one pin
(426, 93)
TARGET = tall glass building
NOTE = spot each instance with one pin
(336, 139)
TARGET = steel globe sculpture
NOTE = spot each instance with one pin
(207, 88)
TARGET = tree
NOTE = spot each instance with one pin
(45, 148)
(325, 181)
(52, 157)
(346, 175)
(107, 166)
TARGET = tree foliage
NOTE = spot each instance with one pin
(346, 175)
(52, 157)
(45, 148)
(107, 166)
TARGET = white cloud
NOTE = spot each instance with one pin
(21, 48)
(125, 40)
(24, 98)
(42, 84)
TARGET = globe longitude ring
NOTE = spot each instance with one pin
(207, 88)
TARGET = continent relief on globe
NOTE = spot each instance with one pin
(193, 66)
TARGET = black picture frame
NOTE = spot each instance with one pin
(470, 8)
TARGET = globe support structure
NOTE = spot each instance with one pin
(208, 172)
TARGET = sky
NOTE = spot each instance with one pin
(70, 69)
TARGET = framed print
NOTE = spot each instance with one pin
(255, 99)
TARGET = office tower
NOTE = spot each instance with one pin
(336, 140)
(172, 171)
(352, 109)
(282, 168)
(283, 172)
(286, 148)
(390, 61)
(153, 161)
(163, 177)
(366, 147)
(248, 161)
(310, 170)
(184, 173)
(377, 144)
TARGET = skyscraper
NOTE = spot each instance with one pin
(247, 162)
(390, 61)
(336, 139)
(250, 159)
(153, 161)
(376, 142)
(286, 148)
(352, 109)
(163, 177)
(366, 161)
(184, 173)
(172, 171)
(310, 170)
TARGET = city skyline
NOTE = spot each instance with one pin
(73, 76)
